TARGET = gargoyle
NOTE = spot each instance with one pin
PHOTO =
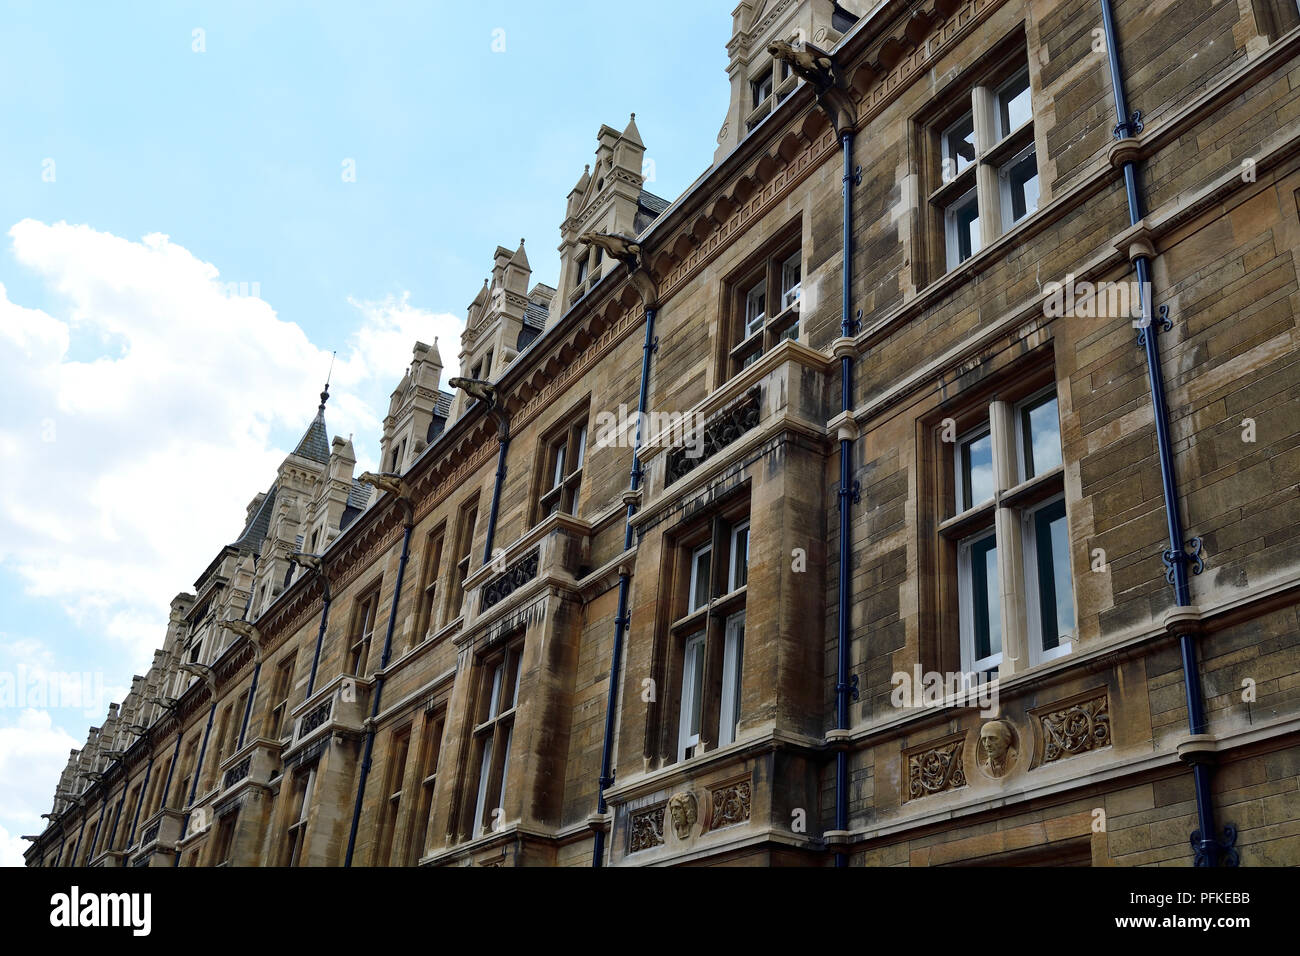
(243, 629)
(203, 671)
(312, 561)
(384, 482)
(809, 63)
(623, 248)
(474, 388)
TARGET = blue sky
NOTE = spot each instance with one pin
(145, 401)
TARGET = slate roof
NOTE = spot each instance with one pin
(259, 524)
(360, 494)
(358, 497)
(315, 443)
(648, 208)
(535, 316)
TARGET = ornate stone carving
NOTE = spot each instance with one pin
(685, 811)
(936, 769)
(238, 772)
(647, 830)
(731, 805)
(998, 748)
(1076, 729)
(514, 577)
(723, 429)
(316, 718)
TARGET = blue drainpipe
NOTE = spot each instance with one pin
(257, 668)
(1205, 844)
(139, 804)
(320, 634)
(76, 849)
(621, 618)
(379, 682)
(503, 444)
(845, 688)
(198, 769)
(171, 770)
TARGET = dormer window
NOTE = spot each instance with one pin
(581, 275)
(769, 87)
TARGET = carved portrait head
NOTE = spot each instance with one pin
(997, 747)
(684, 810)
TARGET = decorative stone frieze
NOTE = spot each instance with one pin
(514, 577)
(647, 829)
(936, 768)
(1075, 729)
(723, 429)
(731, 805)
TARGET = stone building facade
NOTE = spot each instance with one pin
(1007, 660)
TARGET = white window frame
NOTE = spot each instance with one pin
(999, 97)
(952, 231)
(950, 170)
(970, 664)
(1017, 423)
(733, 654)
(704, 549)
(754, 322)
(959, 469)
(1007, 194)
(791, 295)
(736, 532)
(298, 828)
(1033, 605)
(484, 771)
(691, 692)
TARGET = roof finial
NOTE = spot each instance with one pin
(325, 395)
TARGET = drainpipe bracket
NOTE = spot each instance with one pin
(1130, 127)
(839, 739)
(1125, 150)
(1197, 748)
(851, 327)
(1194, 554)
(844, 348)
(837, 838)
(1182, 620)
(845, 426)
(1137, 241)
(1225, 850)
(1163, 324)
(850, 688)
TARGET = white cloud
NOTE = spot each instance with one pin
(11, 849)
(140, 417)
(32, 755)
